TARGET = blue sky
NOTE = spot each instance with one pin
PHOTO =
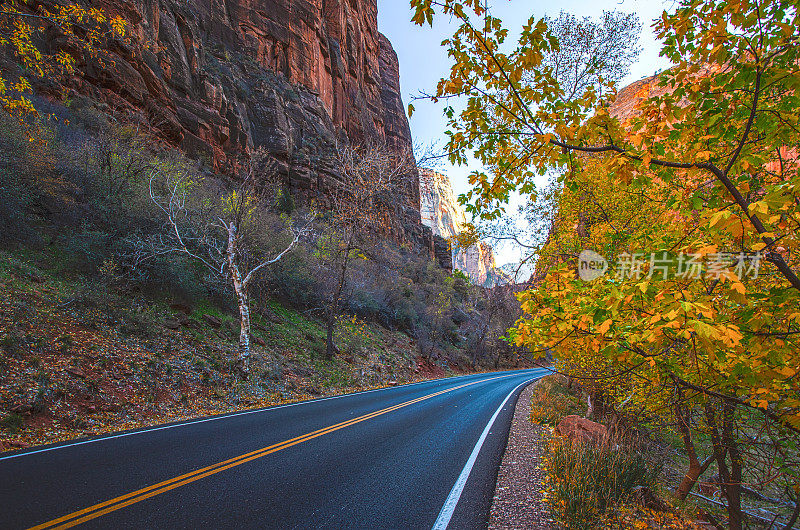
(423, 61)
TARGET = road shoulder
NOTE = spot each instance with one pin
(518, 499)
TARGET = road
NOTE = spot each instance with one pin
(423, 455)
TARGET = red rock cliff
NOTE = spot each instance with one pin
(219, 78)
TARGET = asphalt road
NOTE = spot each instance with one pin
(414, 456)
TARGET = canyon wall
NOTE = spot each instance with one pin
(221, 78)
(444, 215)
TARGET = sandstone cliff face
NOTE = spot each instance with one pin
(442, 213)
(628, 99)
(220, 78)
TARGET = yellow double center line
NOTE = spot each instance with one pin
(98, 510)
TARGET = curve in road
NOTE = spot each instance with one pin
(414, 456)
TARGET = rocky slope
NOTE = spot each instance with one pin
(220, 78)
(442, 213)
(110, 361)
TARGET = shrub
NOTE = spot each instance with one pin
(352, 335)
(12, 344)
(171, 276)
(17, 225)
(84, 251)
(551, 401)
(12, 423)
(291, 280)
(584, 480)
(284, 201)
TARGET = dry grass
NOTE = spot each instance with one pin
(585, 481)
(552, 400)
(591, 487)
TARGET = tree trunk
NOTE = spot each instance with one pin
(729, 489)
(795, 515)
(243, 361)
(330, 347)
(244, 333)
(734, 490)
(683, 418)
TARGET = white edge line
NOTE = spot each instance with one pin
(215, 418)
(455, 494)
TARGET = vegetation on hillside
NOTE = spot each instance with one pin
(110, 321)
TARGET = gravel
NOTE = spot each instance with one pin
(518, 498)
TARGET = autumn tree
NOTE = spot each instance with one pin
(590, 54)
(22, 23)
(371, 180)
(222, 230)
(701, 173)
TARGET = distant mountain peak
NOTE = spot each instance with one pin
(444, 215)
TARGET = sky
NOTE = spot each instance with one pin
(423, 61)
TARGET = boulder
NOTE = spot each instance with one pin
(21, 408)
(211, 320)
(180, 307)
(75, 371)
(579, 429)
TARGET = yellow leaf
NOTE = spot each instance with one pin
(717, 217)
(604, 327)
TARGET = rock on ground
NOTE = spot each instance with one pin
(579, 429)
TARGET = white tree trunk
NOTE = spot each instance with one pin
(240, 288)
(244, 331)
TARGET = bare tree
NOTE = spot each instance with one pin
(429, 155)
(592, 52)
(373, 180)
(491, 313)
(217, 231)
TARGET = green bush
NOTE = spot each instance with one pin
(85, 251)
(171, 276)
(17, 225)
(12, 344)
